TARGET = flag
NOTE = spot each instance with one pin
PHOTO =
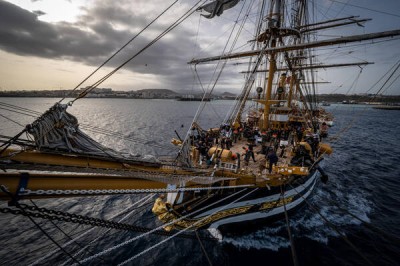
(217, 7)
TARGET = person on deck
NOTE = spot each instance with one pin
(251, 151)
(246, 155)
(235, 135)
(223, 142)
(324, 130)
(228, 143)
(272, 159)
(262, 164)
(202, 150)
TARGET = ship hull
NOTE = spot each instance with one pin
(253, 208)
(251, 221)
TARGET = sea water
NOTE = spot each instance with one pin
(364, 184)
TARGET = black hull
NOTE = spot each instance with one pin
(249, 209)
(241, 228)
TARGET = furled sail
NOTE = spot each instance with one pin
(57, 129)
(217, 7)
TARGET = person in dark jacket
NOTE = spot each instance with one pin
(250, 150)
(272, 159)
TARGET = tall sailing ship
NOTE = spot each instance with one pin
(260, 164)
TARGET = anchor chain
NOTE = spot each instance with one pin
(54, 215)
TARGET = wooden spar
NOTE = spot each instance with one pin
(315, 82)
(68, 182)
(325, 22)
(314, 67)
(78, 175)
(300, 46)
(335, 25)
(36, 157)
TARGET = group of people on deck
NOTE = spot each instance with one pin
(269, 145)
(270, 141)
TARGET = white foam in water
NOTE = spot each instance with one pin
(360, 207)
(354, 202)
(266, 238)
(308, 223)
(262, 239)
(215, 233)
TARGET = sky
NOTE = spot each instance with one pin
(55, 44)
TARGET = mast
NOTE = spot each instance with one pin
(272, 66)
(293, 80)
(273, 24)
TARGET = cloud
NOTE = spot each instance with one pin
(99, 31)
(39, 13)
(23, 34)
(103, 27)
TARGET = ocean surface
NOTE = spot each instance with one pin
(354, 218)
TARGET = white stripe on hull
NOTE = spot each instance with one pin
(271, 212)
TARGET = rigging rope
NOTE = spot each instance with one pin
(90, 88)
(18, 112)
(156, 229)
(292, 246)
(185, 229)
(16, 259)
(120, 49)
(341, 234)
(4, 189)
(395, 69)
(87, 232)
(363, 7)
(119, 135)
(22, 110)
(203, 249)
(145, 199)
(88, 127)
(64, 233)
(11, 120)
(79, 219)
(170, 28)
(196, 74)
(183, 152)
(11, 141)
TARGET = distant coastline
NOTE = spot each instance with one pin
(169, 94)
(109, 93)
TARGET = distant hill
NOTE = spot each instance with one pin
(158, 91)
(198, 92)
(228, 95)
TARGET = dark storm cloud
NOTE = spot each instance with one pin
(101, 30)
(23, 34)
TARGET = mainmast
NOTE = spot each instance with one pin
(283, 45)
(274, 23)
(275, 34)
